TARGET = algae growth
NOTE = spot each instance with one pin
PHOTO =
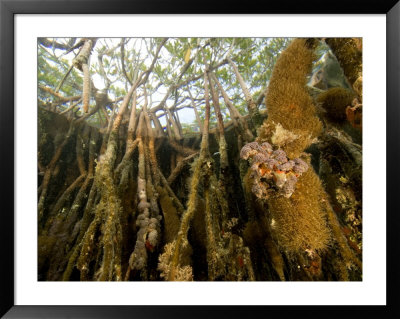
(264, 185)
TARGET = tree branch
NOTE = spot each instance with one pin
(123, 61)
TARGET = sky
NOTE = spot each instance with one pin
(186, 115)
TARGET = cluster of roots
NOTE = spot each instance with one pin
(132, 202)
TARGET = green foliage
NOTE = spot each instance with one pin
(190, 127)
(255, 58)
(51, 70)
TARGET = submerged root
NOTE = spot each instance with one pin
(254, 210)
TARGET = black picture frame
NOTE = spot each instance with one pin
(9, 8)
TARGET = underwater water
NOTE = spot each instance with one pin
(266, 192)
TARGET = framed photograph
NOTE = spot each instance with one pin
(165, 161)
